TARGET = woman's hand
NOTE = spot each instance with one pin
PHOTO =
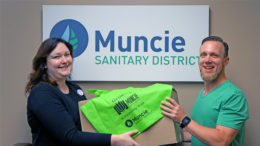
(124, 139)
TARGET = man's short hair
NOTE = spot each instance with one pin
(218, 39)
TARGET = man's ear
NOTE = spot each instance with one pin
(226, 61)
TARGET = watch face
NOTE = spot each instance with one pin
(186, 120)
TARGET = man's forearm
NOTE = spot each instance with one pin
(210, 136)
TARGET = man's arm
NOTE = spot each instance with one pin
(221, 136)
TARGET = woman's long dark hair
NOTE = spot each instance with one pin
(39, 72)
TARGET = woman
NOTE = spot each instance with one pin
(52, 106)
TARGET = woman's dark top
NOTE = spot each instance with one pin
(54, 117)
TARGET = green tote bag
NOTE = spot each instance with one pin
(122, 110)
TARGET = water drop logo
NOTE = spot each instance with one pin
(129, 123)
(73, 32)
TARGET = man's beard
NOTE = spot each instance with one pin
(210, 78)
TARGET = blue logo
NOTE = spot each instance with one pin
(73, 32)
(120, 107)
(128, 123)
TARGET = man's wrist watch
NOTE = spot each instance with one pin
(185, 121)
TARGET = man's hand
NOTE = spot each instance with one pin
(172, 110)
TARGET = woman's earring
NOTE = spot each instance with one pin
(43, 67)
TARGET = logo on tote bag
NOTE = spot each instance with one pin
(120, 107)
(73, 32)
(128, 123)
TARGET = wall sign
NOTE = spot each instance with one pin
(130, 43)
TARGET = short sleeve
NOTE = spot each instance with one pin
(234, 110)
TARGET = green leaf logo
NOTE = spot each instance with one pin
(72, 32)
(70, 36)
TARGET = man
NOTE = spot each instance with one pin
(220, 111)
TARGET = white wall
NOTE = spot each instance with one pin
(21, 21)
(1, 74)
